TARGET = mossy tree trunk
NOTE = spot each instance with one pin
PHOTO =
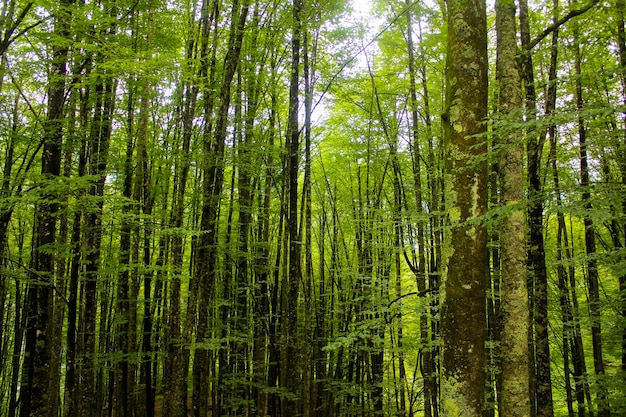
(515, 309)
(463, 315)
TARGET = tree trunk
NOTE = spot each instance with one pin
(207, 249)
(515, 309)
(175, 367)
(290, 406)
(435, 180)
(97, 162)
(144, 195)
(463, 314)
(621, 45)
(420, 268)
(541, 380)
(36, 398)
(593, 280)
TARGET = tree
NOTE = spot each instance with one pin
(290, 405)
(463, 311)
(593, 280)
(515, 311)
(206, 272)
(38, 398)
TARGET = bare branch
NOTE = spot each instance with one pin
(416, 293)
(556, 25)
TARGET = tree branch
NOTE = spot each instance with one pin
(7, 35)
(572, 14)
(416, 293)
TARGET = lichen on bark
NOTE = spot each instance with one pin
(463, 314)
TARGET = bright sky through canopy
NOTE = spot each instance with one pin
(361, 7)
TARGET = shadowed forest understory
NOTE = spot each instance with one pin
(312, 208)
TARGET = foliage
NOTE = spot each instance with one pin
(159, 259)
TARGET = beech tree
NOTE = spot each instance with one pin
(463, 315)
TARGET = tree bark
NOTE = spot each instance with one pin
(515, 309)
(593, 279)
(37, 399)
(541, 379)
(290, 406)
(463, 315)
(207, 249)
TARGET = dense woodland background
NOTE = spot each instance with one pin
(250, 207)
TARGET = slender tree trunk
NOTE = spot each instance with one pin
(463, 314)
(122, 400)
(72, 366)
(541, 379)
(290, 406)
(593, 280)
(97, 163)
(420, 268)
(175, 368)
(321, 332)
(239, 321)
(264, 327)
(143, 192)
(20, 325)
(207, 255)
(564, 255)
(435, 179)
(621, 44)
(570, 323)
(6, 211)
(309, 400)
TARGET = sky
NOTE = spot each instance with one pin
(361, 6)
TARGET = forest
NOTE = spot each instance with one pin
(313, 208)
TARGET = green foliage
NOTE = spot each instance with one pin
(364, 187)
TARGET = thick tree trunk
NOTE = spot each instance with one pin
(463, 315)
